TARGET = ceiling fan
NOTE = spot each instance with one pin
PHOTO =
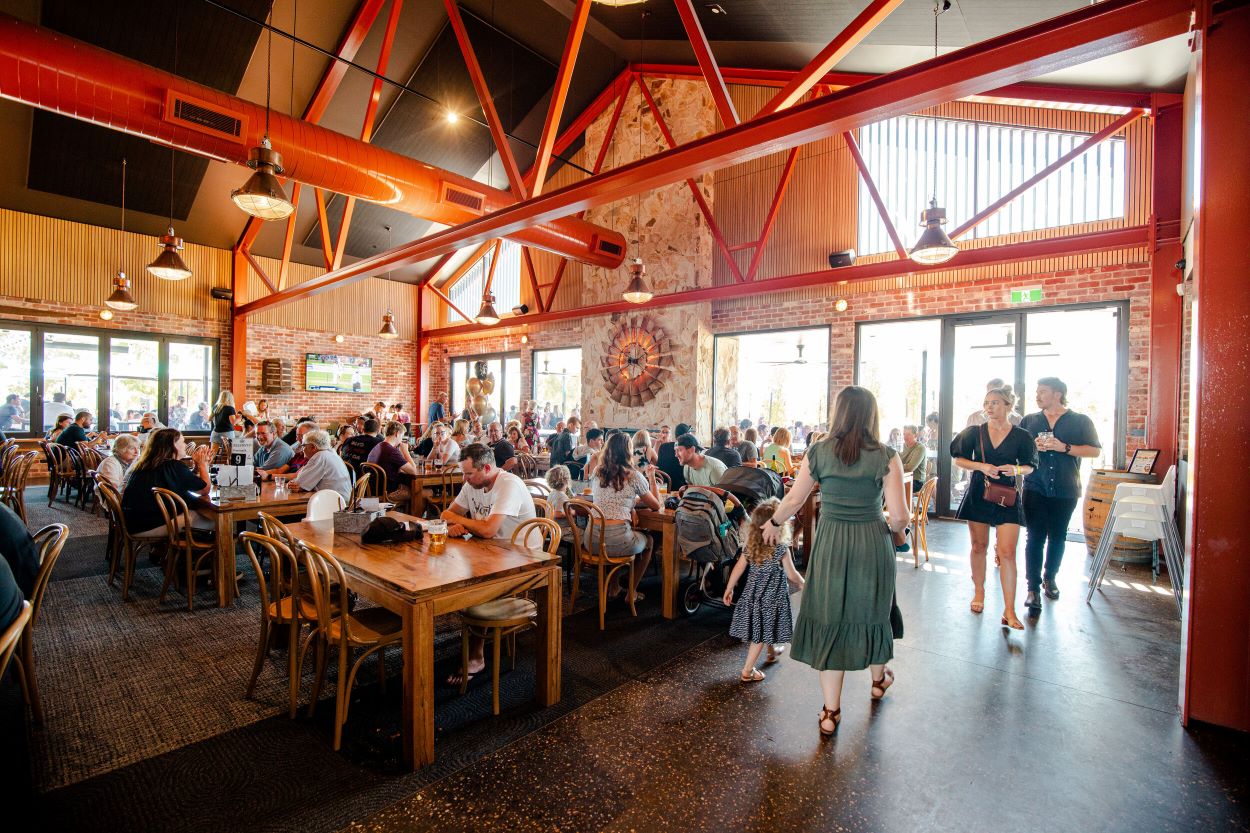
(799, 360)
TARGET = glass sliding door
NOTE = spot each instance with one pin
(71, 375)
(487, 390)
(15, 381)
(191, 374)
(134, 381)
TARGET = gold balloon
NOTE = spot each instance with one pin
(488, 385)
(474, 385)
(479, 404)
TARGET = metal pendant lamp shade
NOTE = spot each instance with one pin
(121, 299)
(637, 291)
(262, 195)
(169, 265)
(389, 330)
(934, 246)
(487, 316)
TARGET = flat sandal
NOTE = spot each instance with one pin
(825, 714)
(887, 680)
(755, 676)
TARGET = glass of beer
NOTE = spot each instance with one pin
(438, 535)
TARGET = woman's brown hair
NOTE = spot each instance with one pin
(854, 427)
(755, 549)
(615, 467)
(160, 447)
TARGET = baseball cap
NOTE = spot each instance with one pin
(689, 440)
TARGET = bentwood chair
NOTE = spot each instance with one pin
(542, 508)
(342, 631)
(189, 548)
(663, 479)
(11, 635)
(377, 486)
(281, 603)
(504, 618)
(449, 482)
(125, 544)
(526, 466)
(920, 520)
(537, 487)
(585, 515)
(360, 490)
(13, 482)
(49, 542)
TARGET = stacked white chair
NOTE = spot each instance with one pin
(1146, 512)
(323, 504)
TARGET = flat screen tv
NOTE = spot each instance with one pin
(344, 374)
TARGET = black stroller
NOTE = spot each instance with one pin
(708, 534)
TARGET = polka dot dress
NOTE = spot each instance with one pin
(762, 612)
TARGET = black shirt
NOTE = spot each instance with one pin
(289, 438)
(139, 504)
(10, 597)
(19, 550)
(72, 435)
(425, 447)
(729, 456)
(356, 449)
(503, 452)
(1058, 474)
(221, 419)
(562, 449)
(667, 462)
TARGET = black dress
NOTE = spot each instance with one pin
(1016, 449)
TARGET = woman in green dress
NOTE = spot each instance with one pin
(844, 617)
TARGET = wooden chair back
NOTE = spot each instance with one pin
(177, 518)
(450, 479)
(283, 580)
(549, 529)
(11, 635)
(542, 508)
(360, 490)
(537, 487)
(14, 479)
(49, 541)
(377, 480)
(274, 528)
(923, 497)
(662, 478)
(594, 525)
(526, 465)
(328, 585)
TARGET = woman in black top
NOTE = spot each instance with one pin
(1004, 453)
(222, 420)
(161, 464)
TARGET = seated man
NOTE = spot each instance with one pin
(590, 455)
(563, 442)
(356, 449)
(147, 424)
(392, 455)
(324, 469)
(698, 469)
(491, 504)
(914, 456)
(723, 450)
(505, 454)
(298, 458)
(77, 431)
(666, 458)
(271, 452)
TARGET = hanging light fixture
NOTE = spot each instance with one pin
(121, 299)
(169, 265)
(487, 316)
(263, 196)
(389, 330)
(934, 246)
(637, 291)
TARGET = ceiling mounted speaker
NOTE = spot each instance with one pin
(839, 259)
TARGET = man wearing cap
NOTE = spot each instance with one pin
(667, 462)
(698, 468)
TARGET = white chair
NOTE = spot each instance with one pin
(323, 505)
(1144, 511)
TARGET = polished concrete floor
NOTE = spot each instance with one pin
(1069, 725)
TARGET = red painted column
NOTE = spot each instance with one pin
(1216, 665)
(1163, 410)
(238, 328)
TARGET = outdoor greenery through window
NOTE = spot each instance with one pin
(976, 164)
(557, 384)
(46, 371)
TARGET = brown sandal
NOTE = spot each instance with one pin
(835, 716)
(887, 680)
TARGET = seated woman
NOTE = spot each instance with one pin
(113, 468)
(614, 489)
(445, 450)
(426, 441)
(460, 432)
(55, 431)
(345, 432)
(517, 439)
(161, 465)
(644, 453)
(776, 454)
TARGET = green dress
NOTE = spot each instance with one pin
(844, 618)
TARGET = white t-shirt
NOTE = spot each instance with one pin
(507, 497)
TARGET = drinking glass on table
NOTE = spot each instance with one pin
(438, 535)
(280, 482)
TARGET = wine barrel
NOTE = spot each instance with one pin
(1099, 493)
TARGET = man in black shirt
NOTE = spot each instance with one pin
(721, 449)
(505, 454)
(19, 550)
(76, 431)
(667, 462)
(562, 445)
(356, 449)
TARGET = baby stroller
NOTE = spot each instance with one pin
(708, 537)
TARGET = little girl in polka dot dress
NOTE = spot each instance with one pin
(762, 614)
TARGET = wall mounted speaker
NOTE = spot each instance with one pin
(839, 259)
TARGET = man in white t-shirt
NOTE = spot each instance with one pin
(491, 504)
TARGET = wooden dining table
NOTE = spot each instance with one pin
(227, 513)
(417, 585)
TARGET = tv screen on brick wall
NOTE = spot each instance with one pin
(342, 374)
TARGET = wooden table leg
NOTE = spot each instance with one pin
(418, 710)
(668, 571)
(416, 503)
(547, 670)
(225, 559)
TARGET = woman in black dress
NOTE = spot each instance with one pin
(1004, 453)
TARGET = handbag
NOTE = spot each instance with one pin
(999, 494)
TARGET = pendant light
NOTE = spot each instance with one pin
(934, 246)
(169, 265)
(487, 316)
(389, 330)
(637, 291)
(263, 196)
(121, 299)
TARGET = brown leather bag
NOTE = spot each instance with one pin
(999, 494)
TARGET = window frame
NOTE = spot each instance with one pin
(502, 357)
(104, 376)
(535, 357)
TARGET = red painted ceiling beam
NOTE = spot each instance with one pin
(707, 61)
(771, 217)
(560, 94)
(825, 60)
(853, 147)
(1087, 33)
(1099, 241)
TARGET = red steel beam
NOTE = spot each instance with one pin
(707, 61)
(533, 278)
(497, 132)
(694, 188)
(610, 93)
(494, 261)
(559, 94)
(1076, 37)
(1163, 406)
(288, 239)
(448, 302)
(323, 221)
(434, 270)
(1099, 241)
(853, 147)
(996, 206)
(827, 58)
(555, 283)
(769, 219)
(472, 260)
(247, 253)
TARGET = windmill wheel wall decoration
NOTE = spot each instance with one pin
(635, 364)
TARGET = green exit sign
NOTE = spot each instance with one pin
(1029, 295)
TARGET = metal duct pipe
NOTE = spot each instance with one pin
(48, 70)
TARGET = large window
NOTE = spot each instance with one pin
(488, 386)
(976, 164)
(46, 371)
(776, 378)
(557, 384)
(466, 293)
(900, 362)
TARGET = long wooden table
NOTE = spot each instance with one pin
(227, 513)
(410, 581)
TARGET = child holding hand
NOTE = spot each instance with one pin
(762, 615)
